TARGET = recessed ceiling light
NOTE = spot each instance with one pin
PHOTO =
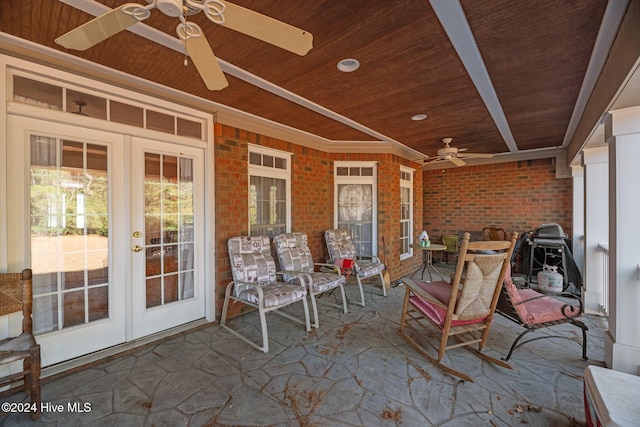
(348, 65)
(419, 117)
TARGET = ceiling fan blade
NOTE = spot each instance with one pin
(98, 29)
(202, 56)
(456, 161)
(267, 29)
(478, 155)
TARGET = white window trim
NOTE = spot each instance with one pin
(271, 172)
(409, 185)
(358, 180)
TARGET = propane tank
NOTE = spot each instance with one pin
(549, 280)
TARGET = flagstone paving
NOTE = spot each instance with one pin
(355, 370)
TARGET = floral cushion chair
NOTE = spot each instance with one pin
(295, 256)
(255, 284)
(341, 247)
(533, 310)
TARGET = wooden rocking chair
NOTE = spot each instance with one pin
(463, 309)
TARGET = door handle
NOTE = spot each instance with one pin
(136, 248)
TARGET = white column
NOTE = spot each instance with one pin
(622, 341)
(596, 225)
(577, 232)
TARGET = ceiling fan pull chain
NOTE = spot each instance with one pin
(184, 23)
(184, 32)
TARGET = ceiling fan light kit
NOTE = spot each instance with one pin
(220, 12)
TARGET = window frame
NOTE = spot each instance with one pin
(270, 172)
(353, 179)
(404, 183)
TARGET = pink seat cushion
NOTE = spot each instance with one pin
(545, 309)
(442, 292)
(540, 310)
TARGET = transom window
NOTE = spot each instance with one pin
(269, 191)
(58, 96)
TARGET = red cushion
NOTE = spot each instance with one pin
(442, 292)
(545, 309)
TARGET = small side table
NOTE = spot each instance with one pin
(427, 258)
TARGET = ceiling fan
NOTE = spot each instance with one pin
(455, 155)
(220, 12)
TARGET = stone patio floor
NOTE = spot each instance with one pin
(355, 370)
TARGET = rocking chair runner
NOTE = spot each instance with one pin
(533, 310)
(463, 308)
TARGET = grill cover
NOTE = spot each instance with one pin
(549, 231)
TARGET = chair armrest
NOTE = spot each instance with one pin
(302, 276)
(373, 259)
(332, 267)
(417, 290)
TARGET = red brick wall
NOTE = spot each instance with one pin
(516, 196)
(312, 190)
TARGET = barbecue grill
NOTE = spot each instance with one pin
(549, 234)
(550, 240)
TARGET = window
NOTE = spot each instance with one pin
(406, 212)
(86, 103)
(269, 191)
(356, 204)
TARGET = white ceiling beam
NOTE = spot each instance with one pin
(455, 24)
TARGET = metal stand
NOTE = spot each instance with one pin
(552, 254)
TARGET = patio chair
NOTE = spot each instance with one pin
(255, 284)
(451, 243)
(493, 233)
(16, 296)
(461, 310)
(295, 256)
(533, 310)
(341, 247)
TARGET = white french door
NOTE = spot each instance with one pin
(167, 247)
(65, 207)
(112, 227)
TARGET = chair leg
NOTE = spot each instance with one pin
(384, 288)
(314, 306)
(306, 314)
(362, 291)
(265, 333)
(405, 307)
(344, 299)
(34, 380)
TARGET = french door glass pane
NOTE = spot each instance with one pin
(355, 212)
(69, 232)
(168, 218)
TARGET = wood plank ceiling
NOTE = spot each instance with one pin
(535, 52)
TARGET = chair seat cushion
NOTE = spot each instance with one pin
(275, 294)
(441, 291)
(368, 269)
(16, 348)
(545, 309)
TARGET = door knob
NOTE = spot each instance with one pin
(136, 248)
